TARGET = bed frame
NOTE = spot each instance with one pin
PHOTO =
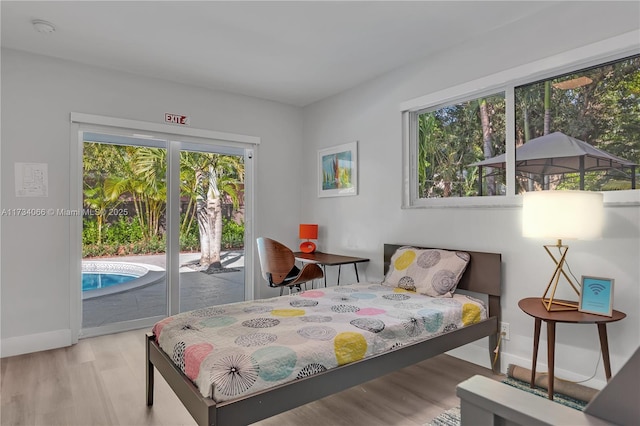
(483, 275)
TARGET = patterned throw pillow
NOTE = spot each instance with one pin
(432, 272)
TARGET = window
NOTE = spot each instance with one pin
(570, 127)
(580, 130)
(454, 137)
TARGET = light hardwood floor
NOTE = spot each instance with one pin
(101, 381)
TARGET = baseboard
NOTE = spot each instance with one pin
(478, 353)
(34, 343)
(558, 372)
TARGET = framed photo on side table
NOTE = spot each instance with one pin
(338, 170)
(596, 296)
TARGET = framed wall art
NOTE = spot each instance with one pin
(338, 170)
(596, 296)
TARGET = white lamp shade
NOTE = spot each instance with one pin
(562, 214)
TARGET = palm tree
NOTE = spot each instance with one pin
(216, 176)
(142, 177)
(96, 200)
(150, 165)
(189, 163)
(99, 160)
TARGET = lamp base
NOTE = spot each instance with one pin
(549, 294)
(557, 305)
(307, 247)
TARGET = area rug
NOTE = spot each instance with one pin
(557, 397)
(452, 417)
(448, 418)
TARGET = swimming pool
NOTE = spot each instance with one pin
(101, 278)
(95, 280)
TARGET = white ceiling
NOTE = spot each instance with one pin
(291, 52)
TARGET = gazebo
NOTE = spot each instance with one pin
(557, 153)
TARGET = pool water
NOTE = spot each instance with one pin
(94, 280)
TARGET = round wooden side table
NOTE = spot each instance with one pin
(534, 307)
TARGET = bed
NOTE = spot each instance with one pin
(256, 392)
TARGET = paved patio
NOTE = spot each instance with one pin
(197, 289)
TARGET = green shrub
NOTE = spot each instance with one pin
(190, 238)
(122, 231)
(232, 234)
(124, 237)
(89, 232)
(190, 242)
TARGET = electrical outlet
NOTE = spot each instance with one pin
(504, 330)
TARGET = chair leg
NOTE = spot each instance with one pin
(297, 286)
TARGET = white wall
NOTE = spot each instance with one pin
(360, 225)
(38, 94)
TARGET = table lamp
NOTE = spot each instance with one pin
(561, 215)
(308, 232)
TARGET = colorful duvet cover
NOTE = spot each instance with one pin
(240, 348)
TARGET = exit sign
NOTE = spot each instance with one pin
(176, 119)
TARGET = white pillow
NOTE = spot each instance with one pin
(432, 272)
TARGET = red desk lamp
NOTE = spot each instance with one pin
(308, 232)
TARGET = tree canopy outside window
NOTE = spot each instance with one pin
(599, 106)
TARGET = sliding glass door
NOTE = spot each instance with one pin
(211, 225)
(124, 276)
(163, 227)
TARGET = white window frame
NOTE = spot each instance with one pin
(587, 56)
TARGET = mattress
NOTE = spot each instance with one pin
(237, 349)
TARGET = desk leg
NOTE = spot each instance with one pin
(324, 272)
(551, 345)
(536, 341)
(339, 268)
(604, 347)
(355, 265)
